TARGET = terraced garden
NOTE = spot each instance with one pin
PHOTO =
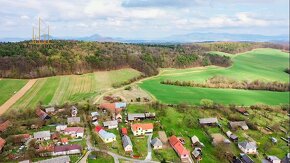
(259, 64)
(72, 88)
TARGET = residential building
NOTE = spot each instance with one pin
(156, 143)
(273, 159)
(4, 125)
(236, 124)
(182, 152)
(41, 114)
(111, 124)
(197, 154)
(208, 121)
(232, 136)
(2, 143)
(135, 116)
(142, 128)
(74, 111)
(248, 147)
(50, 110)
(42, 135)
(61, 127)
(94, 114)
(107, 137)
(67, 149)
(127, 144)
(75, 132)
(61, 159)
(73, 120)
(113, 108)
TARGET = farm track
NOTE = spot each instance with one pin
(17, 96)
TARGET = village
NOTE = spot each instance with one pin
(71, 134)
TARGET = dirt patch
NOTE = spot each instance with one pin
(164, 139)
(17, 96)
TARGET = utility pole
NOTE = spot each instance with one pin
(39, 30)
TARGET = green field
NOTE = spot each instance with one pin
(8, 87)
(262, 64)
(72, 88)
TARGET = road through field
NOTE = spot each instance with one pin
(17, 96)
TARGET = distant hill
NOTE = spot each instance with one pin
(186, 38)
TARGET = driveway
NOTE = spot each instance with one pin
(149, 149)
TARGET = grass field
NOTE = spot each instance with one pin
(262, 64)
(8, 87)
(72, 88)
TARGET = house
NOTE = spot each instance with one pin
(113, 108)
(142, 128)
(218, 138)
(127, 144)
(21, 138)
(41, 114)
(94, 114)
(156, 143)
(107, 137)
(273, 159)
(236, 124)
(50, 110)
(60, 127)
(243, 111)
(75, 132)
(195, 141)
(61, 159)
(232, 136)
(42, 135)
(74, 111)
(248, 147)
(286, 159)
(64, 141)
(73, 120)
(67, 149)
(124, 131)
(111, 124)
(208, 121)
(4, 125)
(119, 117)
(197, 154)
(245, 158)
(135, 116)
(2, 143)
(182, 152)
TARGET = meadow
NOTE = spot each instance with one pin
(58, 90)
(258, 64)
(8, 87)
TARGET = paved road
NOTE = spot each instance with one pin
(149, 149)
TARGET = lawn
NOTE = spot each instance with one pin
(101, 158)
(58, 90)
(262, 64)
(8, 87)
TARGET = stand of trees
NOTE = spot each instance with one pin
(223, 82)
(23, 60)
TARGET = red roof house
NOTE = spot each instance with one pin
(2, 143)
(4, 125)
(64, 140)
(42, 114)
(98, 128)
(124, 131)
(111, 107)
(21, 138)
(182, 152)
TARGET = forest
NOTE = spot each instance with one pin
(24, 60)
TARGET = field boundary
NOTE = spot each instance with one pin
(16, 96)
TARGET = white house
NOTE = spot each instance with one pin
(156, 143)
(111, 124)
(127, 144)
(60, 127)
(74, 131)
(42, 135)
(273, 159)
(248, 147)
(142, 128)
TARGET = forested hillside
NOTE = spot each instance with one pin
(22, 60)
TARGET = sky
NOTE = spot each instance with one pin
(144, 19)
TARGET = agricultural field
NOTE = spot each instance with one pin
(259, 64)
(8, 87)
(58, 90)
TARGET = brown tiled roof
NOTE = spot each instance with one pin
(144, 126)
(4, 125)
(67, 147)
(2, 143)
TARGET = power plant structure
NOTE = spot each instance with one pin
(40, 33)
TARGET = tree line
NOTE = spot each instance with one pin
(223, 82)
(23, 60)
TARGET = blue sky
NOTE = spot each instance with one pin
(146, 19)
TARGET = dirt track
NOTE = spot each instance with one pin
(17, 96)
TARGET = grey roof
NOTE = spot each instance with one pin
(248, 145)
(156, 142)
(208, 120)
(110, 123)
(41, 134)
(126, 141)
(74, 108)
(246, 158)
(132, 116)
(73, 120)
(106, 135)
(61, 159)
(94, 113)
(194, 139)
(286, 159)
(196, 152)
